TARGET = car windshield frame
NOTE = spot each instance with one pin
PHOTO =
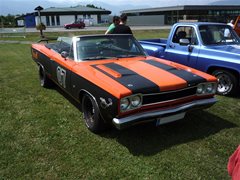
(101, 47)
(219, 35)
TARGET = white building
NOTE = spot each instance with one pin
(53, 17)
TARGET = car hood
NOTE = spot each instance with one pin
(230, 51)
(151, 75)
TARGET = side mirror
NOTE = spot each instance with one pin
(184, 42)
(64, 54)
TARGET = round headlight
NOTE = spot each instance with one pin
(135, 101)
(200, 89)
(124, 104)
(209, 88)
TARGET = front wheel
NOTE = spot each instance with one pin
(91, 114)
(227, 82)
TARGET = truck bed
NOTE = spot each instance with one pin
(158, 42)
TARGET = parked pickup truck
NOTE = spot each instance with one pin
(210, 47)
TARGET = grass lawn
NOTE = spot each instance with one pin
(43, 136)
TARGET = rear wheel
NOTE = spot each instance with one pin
(44, 80)
(227, 82)
(91, 114)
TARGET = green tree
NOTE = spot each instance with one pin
(93, 6)
(8, 21)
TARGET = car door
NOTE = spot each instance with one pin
(186, 54)
(75, 24)
(62, 68)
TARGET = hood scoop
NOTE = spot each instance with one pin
(109, 71)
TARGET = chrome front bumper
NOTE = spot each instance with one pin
(121, 123)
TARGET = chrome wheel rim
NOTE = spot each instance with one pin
(224, 83)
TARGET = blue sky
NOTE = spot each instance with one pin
(27, 6)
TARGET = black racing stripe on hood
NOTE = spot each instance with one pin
(131, 80)
(191, 78)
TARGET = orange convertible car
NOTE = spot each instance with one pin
(116, 82)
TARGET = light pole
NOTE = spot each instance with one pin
(38, 9)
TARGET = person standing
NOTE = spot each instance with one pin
(116, 21)
(227, 32)
(122, 28)
(231, 23)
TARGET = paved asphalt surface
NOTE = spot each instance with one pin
(62, 29)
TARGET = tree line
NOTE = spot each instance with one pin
(7, 21)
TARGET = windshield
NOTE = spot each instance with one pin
(108, 47)
(218, 35)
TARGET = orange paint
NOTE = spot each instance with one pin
(109, 71)
(165, 80)
(204, 75)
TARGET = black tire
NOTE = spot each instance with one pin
(44, 80)
(91, 115)
(227, 82)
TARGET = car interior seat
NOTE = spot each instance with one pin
(181, 35)
(206, 37)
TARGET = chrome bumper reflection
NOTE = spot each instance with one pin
(121, 123)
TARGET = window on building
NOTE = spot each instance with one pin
(53, 20)
(58, 20)
(47, 21)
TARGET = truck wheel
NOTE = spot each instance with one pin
(91, 115)
(44, 80)
(227, 82)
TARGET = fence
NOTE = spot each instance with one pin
(13, 32)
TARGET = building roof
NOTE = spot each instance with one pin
(73, 10)
(185, 7)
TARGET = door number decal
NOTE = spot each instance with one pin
(61, 76)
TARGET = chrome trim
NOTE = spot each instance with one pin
(74, 46)
(87, 92)
(185, 97)
(130, 120)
